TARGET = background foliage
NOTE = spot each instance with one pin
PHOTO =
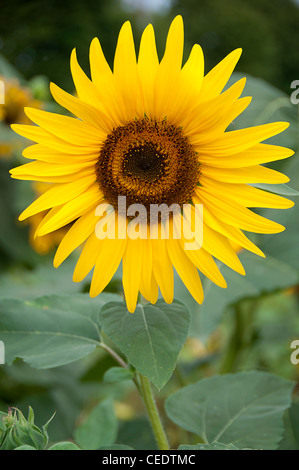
(52, 328)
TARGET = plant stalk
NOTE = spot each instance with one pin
(153, 413)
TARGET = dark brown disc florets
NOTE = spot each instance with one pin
(149, 162)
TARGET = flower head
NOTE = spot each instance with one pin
(152, 132)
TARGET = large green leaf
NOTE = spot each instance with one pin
(290, 439)
(244, 409)
(263, 276)
(65, 445)
(116, 447)
(99, 428)
(269, 104)
(151, 337)
(50, 331)
(282, 189)
(24, 283)
(213, 446)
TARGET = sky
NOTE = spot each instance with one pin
(148, 5)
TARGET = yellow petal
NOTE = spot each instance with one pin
(89, 114)
(185, 269)
(88, 257)
(167, 82)
(86, 90)
(245, 195)
(148, 63)
(238, 216)
(66, 128)
(251, 174)
(46, 154)
(174, 49)
(99, 66)
(47, 169)
(260, 153)
(206, 264)
(206, 117)
(150, 291)
(59, 194)
(237, 141)
(47, 139)
(72, 210)
(75, 236)
(125, 71)
(215, 243)
(216, 79)
(232, 233)
(162, 269)
(107, 263)
(147, 265)
(132, 264)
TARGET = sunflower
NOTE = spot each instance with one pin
(154, 132)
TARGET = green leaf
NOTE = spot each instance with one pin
(116, 447)
(50, 331)
(99, 429)
(8, 70)
(151, 337)
(269, 104)
(283, 189)
(25, 447)
(262, 276)
(290, 440)
(213, 446)
(244, 409)
(64, 445)
(117, 374)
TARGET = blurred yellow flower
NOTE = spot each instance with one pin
(14, 97)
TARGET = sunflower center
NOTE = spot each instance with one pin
(149, 162)
(144, 162)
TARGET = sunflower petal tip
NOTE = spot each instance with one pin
(178, 19)
(56, 261)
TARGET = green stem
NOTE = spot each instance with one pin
(114, 355)
(145, 391)
(153, 413)
(242, 338)
(234, 345)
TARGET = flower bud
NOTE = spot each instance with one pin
(15, 431)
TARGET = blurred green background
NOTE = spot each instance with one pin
(249, 325)
(37, 37)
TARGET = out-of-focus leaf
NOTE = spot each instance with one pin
(117, 374)
(262, 276)
(213, 446)
(65, 445)
(244, 409)
(116, 447)
(99, 428)
(52, 330)
(290, 440)
(282, 189)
